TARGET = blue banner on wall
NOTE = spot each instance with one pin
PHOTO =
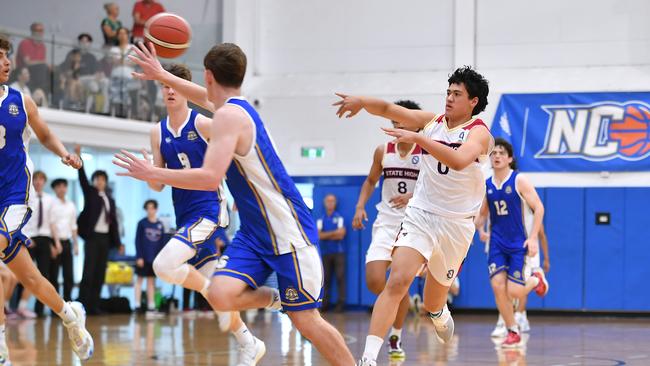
(576, 132)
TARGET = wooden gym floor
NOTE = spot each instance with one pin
(187, 340)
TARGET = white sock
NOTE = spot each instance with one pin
(523, 313)
(22, 305)
(204, 290)
(535, 280)
(244, 336)
(514, 329)
(151, 307)
(67, 314)
(396, 332)
(373, 345)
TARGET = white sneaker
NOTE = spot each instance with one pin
(250, 355)
(522, 321)
(82, 342)
(500, 330)
(276, 304)
(444, 325)
(4, 354)
(366, 362)
(224, 320)
(153, 314)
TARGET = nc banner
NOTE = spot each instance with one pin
(576, 132)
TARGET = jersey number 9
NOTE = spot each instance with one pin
(185, 160)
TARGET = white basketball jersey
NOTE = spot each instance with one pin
(441, 190)
(400, 174)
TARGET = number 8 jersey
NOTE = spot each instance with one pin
(183, 150)
(441, 190)
(400, 174)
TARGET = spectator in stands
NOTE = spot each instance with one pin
(39, 228)
(149, 240)
(22, 80)
(68, 71)
(142, 11)
(98, 227)
(93, 80)
(111, 24)
(64, 233)
(33, 55)
(331, 232)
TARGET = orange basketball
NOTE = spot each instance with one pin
(169, 33)
(633, 131)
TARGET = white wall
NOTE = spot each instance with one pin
(302, 52)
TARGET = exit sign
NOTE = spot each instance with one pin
(312, 152)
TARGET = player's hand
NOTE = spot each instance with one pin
(546, 265)
(348, 104)
(401, 200)
(53, 252)
(148, 61)
(59, 247)
(484, 236)
(72, 160)
(137, 168)
(360, 216)
(533, 246)
(139, 262)
(409, 137)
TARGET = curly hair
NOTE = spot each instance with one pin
(475, 83)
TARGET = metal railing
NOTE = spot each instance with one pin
(86, 80)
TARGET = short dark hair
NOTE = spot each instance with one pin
(508, 148)
(85, 35)
(39, 173)
(5, 44)
(99, 173)
(34, 25)
(475, 83)
(152, 202)
(57, 182)
(407, 103)
(179, 70)
(227, 63)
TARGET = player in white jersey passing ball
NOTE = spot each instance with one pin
(438, 226)
(400, 166)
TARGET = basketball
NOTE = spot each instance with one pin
(169, 33)
(632, 132)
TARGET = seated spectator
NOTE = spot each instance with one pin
(68, 71)
(32, 54)
(92, 77)
(21, 84)
(142, 11)
(111, 24)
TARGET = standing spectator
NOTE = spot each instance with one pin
(111, 24)
(92, 78)
(39, 229)
(149, 241)
(98, 227)
(142, 11)
(331, 231)
(64, 217)
(33, 55)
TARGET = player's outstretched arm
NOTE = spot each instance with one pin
(152, 70)
(158, 160)
(228, 128)
(409, 118)
(47, 137)
(478, 143)
(367, 188)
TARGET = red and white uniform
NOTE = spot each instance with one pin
(400, 174)
(439, 218)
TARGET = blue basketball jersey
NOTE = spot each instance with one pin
(184, 149)
(15, 176)
(507, 213)
(271, 209)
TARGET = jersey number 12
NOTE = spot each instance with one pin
(501, 207)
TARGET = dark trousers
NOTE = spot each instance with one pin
(64, 261)
(334, 263)
(41, 251)
(95, 261)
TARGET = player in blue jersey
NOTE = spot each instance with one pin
(189, 259)
(510, 199)
(277, 231)
(18, 112)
